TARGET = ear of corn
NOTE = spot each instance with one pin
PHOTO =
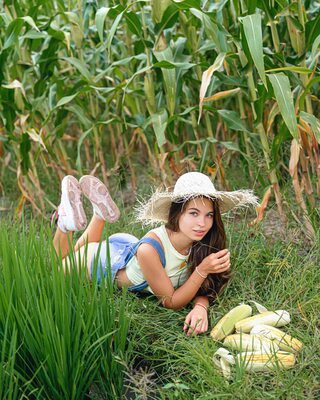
(258, 361)
(283, 340)
(245, 342)
(226, 325)
(273, 318)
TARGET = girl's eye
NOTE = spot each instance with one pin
(210, 215)
(194, 213)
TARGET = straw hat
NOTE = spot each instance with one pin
(188, 186)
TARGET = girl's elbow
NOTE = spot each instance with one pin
(168, 303)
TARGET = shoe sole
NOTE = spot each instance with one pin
(71, 195)
(99, 195)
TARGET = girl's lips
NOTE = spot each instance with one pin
(199, 233)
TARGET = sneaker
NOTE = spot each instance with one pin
(71, 216)
(103, 205)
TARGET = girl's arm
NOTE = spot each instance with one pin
(161, 285)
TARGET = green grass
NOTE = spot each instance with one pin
(281, 276)
(59, 334)
(61, 337)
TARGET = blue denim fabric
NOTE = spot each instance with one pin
(120, 245)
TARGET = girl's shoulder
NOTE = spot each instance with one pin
(157, 234)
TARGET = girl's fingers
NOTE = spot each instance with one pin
(223, 259)
(222, 268)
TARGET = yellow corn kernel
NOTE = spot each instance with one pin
(258, 361)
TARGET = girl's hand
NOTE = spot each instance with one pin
(196, 321)
(215, 263)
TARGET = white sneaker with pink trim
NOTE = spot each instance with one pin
(71, 215)
(103, 205)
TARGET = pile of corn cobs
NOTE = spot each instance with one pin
(260, 344)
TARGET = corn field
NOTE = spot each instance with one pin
(177, 84)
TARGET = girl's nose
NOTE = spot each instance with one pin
(201, 221)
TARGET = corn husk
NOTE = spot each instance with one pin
(282, 339)
(272, 318)
(245, 342)
(226, 325)
(252, 361)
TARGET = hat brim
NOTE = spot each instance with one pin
(156, 209)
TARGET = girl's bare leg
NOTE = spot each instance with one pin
(61, 242)
(92, 233)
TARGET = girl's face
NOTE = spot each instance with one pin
(197, 218)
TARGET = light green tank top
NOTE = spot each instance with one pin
(176, 263)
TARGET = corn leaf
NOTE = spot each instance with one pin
(253, 32)
(159, 123)
(313, 122)
(233, 120)
(101, 15)
(65, 100)
(283, 94)
(112, 32)
(12, 33)
(212, 30)
(31, 22)
(169, 76)
(171, 65)
(134, 23)
(206, 79)
(186, 4)
(80, 66)
(298, 70)
(222, 95)
(294, 156)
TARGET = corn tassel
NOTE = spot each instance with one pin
(245, 342)
(273, 318)
(257, 361)
(283, 340)
(226, 325)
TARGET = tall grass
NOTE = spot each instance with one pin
(60, 335)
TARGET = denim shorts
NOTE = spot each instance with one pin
(120, 245)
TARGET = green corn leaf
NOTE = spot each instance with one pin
(159, 123)
(233, 120)
(134, 23)
(212, 30)
(158, 8)
(169, 76)
(171, 65)
(186, 4)
(253, 32)
(101, 15)
(80, 66)
(283, 94)
(65, 100)
(168, 19)
(112, 31)
(12, 33)
(31, 22)
(298, 70)
(80, 141)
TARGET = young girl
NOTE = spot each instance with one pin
(183, 260)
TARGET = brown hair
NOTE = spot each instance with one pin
(214, 241)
